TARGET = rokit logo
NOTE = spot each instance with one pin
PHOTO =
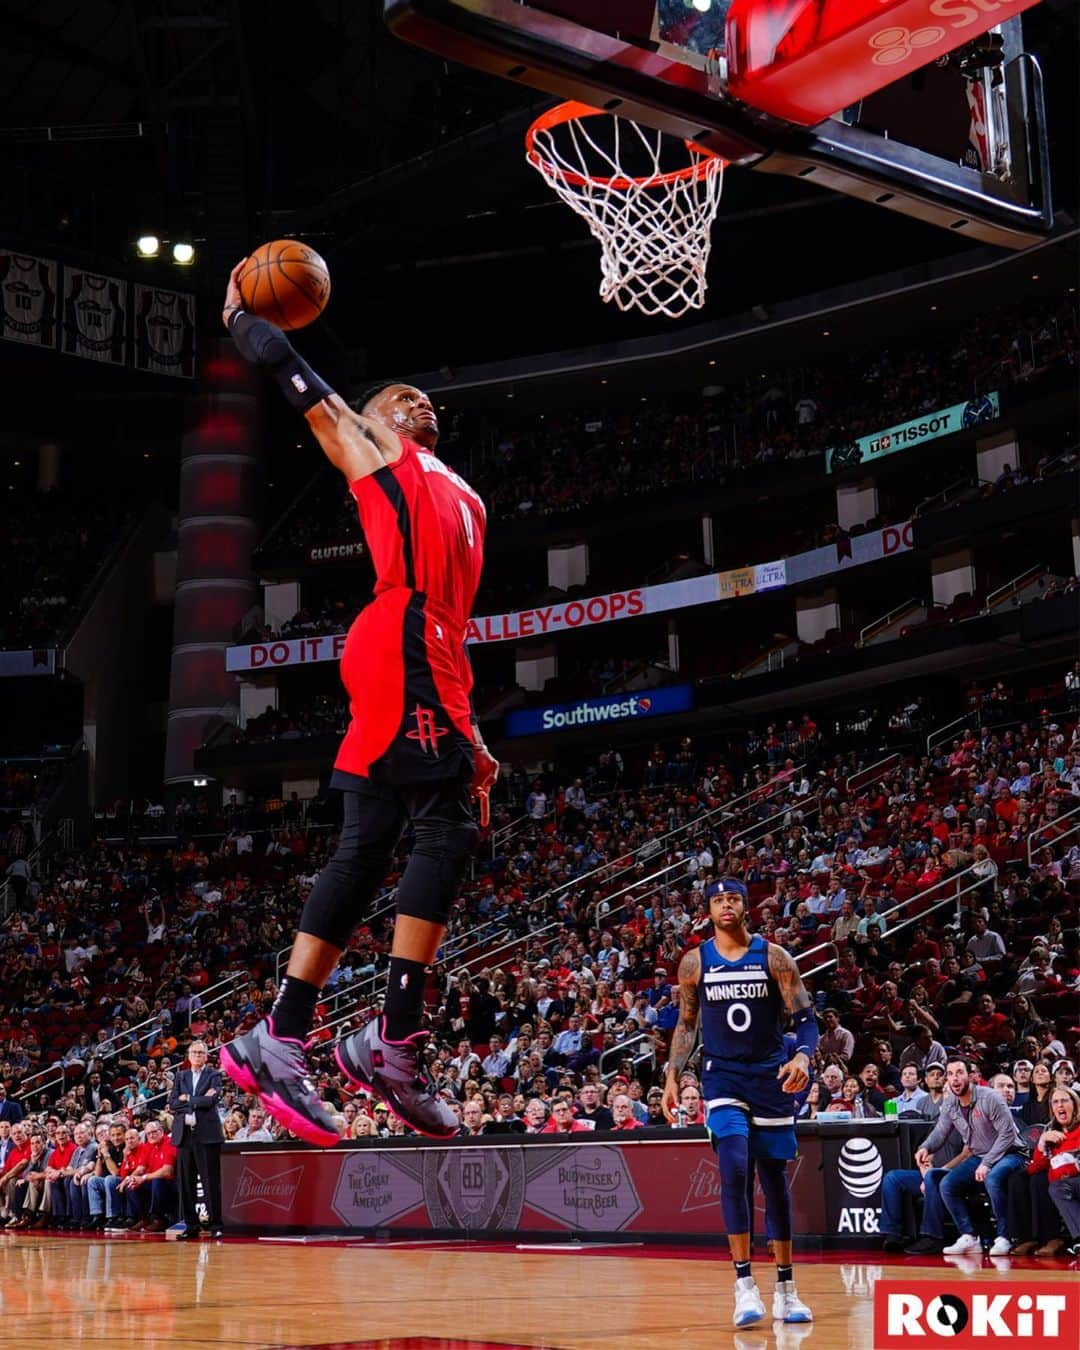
(908, 1312)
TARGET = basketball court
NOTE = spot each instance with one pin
(251, 1293)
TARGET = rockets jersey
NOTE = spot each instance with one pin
(425, 528)
(742, 1009)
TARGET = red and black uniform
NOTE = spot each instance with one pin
(404, 664)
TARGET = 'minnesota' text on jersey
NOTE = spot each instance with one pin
(742, 1008)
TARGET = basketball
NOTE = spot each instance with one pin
(286, 282)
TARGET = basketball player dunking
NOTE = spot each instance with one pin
(412, 752)
(745, 989)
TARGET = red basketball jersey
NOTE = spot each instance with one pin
(425, 528)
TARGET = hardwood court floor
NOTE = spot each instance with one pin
(115, 1292)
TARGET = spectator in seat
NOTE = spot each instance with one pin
(472, 1119)
(985, 945)
(987, 1129)
(30, 1192)
(16, 1158)
(988, 1025)
(888, 1072)
(924, 1180)
(104, 1205)
(562, 1120)
(832, 1080)
(911, 1096)
(59, 1159)
(130, 1206)
(77, 1173)
(836, 1039)
(934, 1082)
(1064, 1076)
(592, 1109)
(851, 1100)
(535, 1115)
(622, 1110)
(152, 1186)
(10, 1111)
(496, 1063)
(691, 1104)
(1058, 1152)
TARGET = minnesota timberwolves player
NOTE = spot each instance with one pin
(745, 989)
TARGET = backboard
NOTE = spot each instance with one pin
(959, 141)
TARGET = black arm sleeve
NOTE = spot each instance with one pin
(264, 344)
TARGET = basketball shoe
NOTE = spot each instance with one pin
(748, 1305)
(787, 1306)
(276, 1071)
(392, 1069)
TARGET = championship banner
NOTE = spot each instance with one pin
(664, 1187)
(95, 317)
(164, 332)
(28, 291)
(590, 712)
(925, 427)
(662, 599)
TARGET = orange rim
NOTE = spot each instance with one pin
(573, 111)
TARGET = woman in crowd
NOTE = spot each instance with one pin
(1058, 1155)
(1036, 1110)
(810, 1108)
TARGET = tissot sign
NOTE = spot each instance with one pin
(592, 712)
(926, 427)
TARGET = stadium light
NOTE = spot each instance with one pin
(183, 254)
(147, 245)
(702, 6)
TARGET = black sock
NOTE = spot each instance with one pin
(294, 1008)
(742, 1270)
(783, 1273)
(404, 997)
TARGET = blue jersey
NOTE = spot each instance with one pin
(742, 1009)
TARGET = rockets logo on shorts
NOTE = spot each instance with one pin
(427, 732)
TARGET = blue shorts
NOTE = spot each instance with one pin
(748, 1101)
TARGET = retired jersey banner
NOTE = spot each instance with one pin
(28, 304)
(95, 320)
(592, 712)
(164, 332)
(926, 427)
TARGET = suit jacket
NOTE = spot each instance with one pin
(10, 1111)
(207, 1128)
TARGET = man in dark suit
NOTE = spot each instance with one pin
(10, 1111)
(198, 1137)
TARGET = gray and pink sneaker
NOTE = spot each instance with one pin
(392, 1069)
(276, 1071)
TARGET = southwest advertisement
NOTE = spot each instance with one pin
(925, 427)
(590, 712)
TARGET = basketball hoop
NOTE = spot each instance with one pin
(652, 226)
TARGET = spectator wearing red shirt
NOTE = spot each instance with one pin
(15, 1164)
(150, 1187)
(59, 1158)
(562, 1120)
(923, 948)
(622, 1109)
(1006, 807)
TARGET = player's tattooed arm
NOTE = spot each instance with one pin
(795, 1074)
(356, 445)
(684, 1036)
(785, 972)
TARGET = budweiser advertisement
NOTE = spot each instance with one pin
(530, 1185)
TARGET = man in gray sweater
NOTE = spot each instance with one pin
(988, 1132)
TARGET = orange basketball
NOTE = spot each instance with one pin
(286, 282)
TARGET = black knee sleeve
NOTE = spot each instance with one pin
(432, 877)
(344, 889)
(772, 1175)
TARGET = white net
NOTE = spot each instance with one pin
(653, 224)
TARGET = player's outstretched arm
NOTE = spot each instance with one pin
(795, 1074)
(354, 444)
(685, 1035)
